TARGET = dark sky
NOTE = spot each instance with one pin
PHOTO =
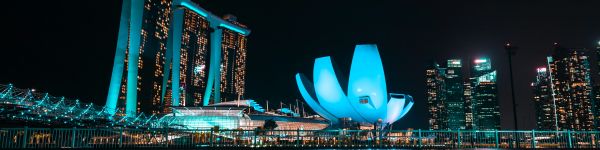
(67, 47)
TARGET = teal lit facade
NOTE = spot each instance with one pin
(481, 65)
(169, 81)
(455, 103)
(364, 100)
(484, 93)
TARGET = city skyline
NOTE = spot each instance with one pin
(277, 55)
(462, 100)
(565, 95)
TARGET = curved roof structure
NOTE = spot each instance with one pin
(366, 98)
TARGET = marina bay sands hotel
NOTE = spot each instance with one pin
(173, 53)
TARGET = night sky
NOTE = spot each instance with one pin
(67, 47)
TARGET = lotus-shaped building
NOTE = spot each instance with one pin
(363, 99)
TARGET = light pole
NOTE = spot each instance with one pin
(510, 50)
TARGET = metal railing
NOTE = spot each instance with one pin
(175, 138)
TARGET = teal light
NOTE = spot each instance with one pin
(489, 77)
(232, 28)
(214, 70)
(307, 90)
(119, 62)
(198, 69)
(194, 8)
(365, 99)
(481, 60)
(455, 63)
(176, 52)
(137, 11)
(483, 64)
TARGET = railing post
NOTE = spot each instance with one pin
(25, 137)
(569, 137)
(121, 138)
(211, 136)
(420, 144)
(532, 138)
(379, 140)
(166, 135)
(459, 138)
(73, 138)
(254, 137)
(298, 137)
(496, 135)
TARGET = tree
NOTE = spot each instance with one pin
(270, 124)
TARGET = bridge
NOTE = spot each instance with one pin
(31, 106)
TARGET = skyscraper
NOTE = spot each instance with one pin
(172, 53)
(484, 103)
(596, 91)
(572, 89)
(544, 104)
(194, 59)
(436, 96)
(233, 64)
(152, 48)
(455, 104)
(468, 96)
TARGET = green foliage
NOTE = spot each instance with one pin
(270, 124)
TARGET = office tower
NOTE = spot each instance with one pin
(571, 86)
(436, 95)
(544, 104)
(596, 92)
(455, 104)
(485, 107)
(468, 96)
(596, 105)
(169, 53)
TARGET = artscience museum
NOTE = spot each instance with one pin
(362, 97)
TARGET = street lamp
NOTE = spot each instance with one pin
(510, 50)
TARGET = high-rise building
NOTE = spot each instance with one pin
(233, 64)
(468, 96)
(194, 59)
(596, 91)
(152, 48)
(484, 103)
(455, 104)
(174, 53)
(544, 104)
(596, 105)
(571, 88)
(436, 96)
